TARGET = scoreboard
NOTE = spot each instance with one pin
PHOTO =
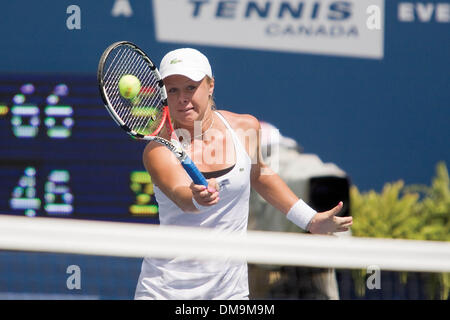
(61, 155)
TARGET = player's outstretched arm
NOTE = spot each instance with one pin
(275, 191)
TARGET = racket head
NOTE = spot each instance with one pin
(144, 114)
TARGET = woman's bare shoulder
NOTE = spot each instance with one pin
(240, 121)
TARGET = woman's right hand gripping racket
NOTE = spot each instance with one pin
(135, 97)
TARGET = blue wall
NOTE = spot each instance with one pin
(379, 120)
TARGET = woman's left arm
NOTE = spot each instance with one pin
(275, 191)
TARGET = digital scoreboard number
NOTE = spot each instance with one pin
(61, 155)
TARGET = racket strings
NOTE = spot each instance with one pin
(150, 83)
(142, 113)
(132, 63)
(113, 82)
(148, 108)
(113, 58)
(121, 69)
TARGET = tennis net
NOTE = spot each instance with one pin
(39, 258)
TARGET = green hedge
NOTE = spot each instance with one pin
(405, 212)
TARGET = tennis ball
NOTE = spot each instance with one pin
(129, 86)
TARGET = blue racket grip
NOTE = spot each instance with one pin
(193, 171)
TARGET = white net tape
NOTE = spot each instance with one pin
(141, 240)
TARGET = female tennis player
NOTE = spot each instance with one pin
(225, 147)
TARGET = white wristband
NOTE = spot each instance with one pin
(301, 214)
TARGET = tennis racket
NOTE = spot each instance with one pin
(145, 113)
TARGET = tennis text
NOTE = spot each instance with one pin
(289, 25)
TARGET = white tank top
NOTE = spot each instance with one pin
(180, 278)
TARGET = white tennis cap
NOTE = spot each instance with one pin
(188, 62)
